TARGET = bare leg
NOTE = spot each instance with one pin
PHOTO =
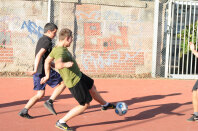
(57, 91)
(74, 112)
(35, 98)
(194, 101)
(96, 96)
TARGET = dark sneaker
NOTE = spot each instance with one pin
(50, 107)
(25, 115)
(109, 106)
(193, 118)
(63, 126)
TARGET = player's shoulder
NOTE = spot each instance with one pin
(44, 39)
(55, 48)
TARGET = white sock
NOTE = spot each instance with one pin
(196, 113)
(106, 104)
(61, 121)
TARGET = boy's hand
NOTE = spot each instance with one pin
(192, 46)
(44, 80)
(68, 64)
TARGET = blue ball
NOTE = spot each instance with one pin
(121, 108)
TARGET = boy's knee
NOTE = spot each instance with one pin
(93, 89)
(61, 85)
(40, 95)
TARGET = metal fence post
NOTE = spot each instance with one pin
(49, 10)
(155, 38)
(168, 38)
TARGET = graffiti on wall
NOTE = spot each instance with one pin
(93, 12)
(5, 37)
(115, 15)
(95, 41)
(92, 60)
(88, 12)
(106, 45)
(33, 29)
(14, 23)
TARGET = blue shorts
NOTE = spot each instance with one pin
(53, 81)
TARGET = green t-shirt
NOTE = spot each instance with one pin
(71, 76)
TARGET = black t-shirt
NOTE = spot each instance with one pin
(46, 43)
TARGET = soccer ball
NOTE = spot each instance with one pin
(121, 108)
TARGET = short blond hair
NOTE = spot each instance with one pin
(65, 33)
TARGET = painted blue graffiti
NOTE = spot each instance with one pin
(33, 29)
(108, 15)
(112, 15)
(100, 62)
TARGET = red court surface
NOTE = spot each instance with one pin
(154, 105)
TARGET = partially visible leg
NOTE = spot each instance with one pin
(74, 112)
(35, 98)
(96, 96)
(81, 93)
(58, 90)
(55, 81)
(31, 102)
(194, 101)
(71, 114)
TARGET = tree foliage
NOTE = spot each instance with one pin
(188, 35)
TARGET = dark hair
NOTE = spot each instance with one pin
(50, 26)
(65, 33)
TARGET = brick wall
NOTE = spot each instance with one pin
(6, 54)
(107, 39)
(6, 50)
(114, 62)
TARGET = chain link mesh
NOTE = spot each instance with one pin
(111, 39)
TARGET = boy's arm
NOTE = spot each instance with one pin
(59, 64)
(37, 60)
(192, 48)
(47, 65)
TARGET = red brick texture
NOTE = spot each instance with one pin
(6, 54)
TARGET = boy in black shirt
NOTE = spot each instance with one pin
(43, 48)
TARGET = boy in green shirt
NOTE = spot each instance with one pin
(81, 86)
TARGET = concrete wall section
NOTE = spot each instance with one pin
(108, 39)
(114, 40)
(21, 25)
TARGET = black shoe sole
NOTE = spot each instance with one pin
(59, 127)
(108, 108)
(190, 121)
(62, 128)
(25, 117)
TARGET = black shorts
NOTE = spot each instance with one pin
(81, 90)
(195, 87)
